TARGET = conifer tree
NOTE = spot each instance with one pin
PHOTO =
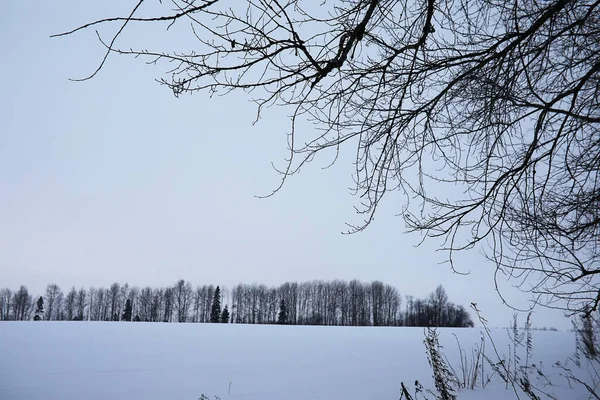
(282, 318)
(225, 315)
(39, 310)
(127, 313)
(215, 313)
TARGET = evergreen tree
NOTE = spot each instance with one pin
(225, 315)
(282, 318)
(39, 310)
(127, 313)
(215, 313)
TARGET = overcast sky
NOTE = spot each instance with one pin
(114, 179)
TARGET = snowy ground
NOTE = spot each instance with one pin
(98, 360)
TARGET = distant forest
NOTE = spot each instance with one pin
(309, 303)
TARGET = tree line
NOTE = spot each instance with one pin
(335, 302)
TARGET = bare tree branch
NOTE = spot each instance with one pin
(485, 116)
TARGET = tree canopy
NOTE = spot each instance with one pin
(484, 115)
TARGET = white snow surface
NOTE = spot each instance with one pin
(120, 360)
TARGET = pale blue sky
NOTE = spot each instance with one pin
(115, 179)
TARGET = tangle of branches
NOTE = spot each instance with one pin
(484, 114)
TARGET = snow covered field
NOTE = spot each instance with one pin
(111, 360)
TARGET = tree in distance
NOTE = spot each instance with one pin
(127, 312)
(282, 317)
(215, 313)
(39, 310)
(225, 315)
